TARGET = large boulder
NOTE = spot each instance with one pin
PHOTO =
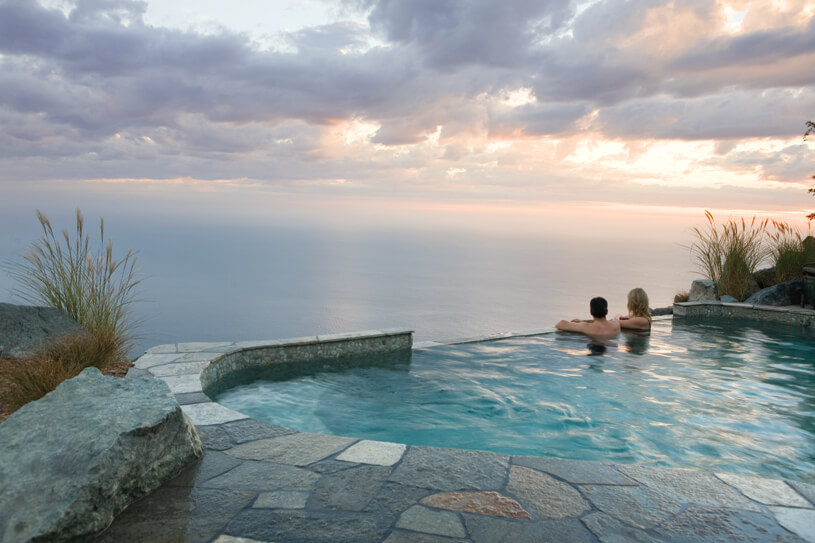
(703, 289)
(788, 293)
(72, 460)
(23, 328)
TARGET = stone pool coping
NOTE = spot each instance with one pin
(791, 315)
(261, 482)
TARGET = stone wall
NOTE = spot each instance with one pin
(307, 349)
(786, 315)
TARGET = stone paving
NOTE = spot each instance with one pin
(260, 482)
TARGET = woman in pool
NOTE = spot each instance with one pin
(639, 315)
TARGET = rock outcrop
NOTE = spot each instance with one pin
(25, 328)
(72, 460)
(788, 293)
(703, 289)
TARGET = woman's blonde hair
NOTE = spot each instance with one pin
(638, 305)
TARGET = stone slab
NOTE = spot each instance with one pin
(195, 347)
(379, 453)
(806, 490)
(707, 525)
(801, 522)
(211, 465)
(451, 469)
(296, 526)
(422, 519)
(173, 514)
(162, 349)
(766, 491)
(281, 499)
(497, 530)
(573, 471)
(203, 414)
(484, 503)
(639, 506)
(404, 536)
(263, 477)
(544, 495)
(299, 449)
(188, 398)
(182, 384)
(690, 486)
(147, 361)
(180, 368)
(245, 430)
(349, 490)
(610, 530)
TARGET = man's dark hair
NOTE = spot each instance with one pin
(598, 307)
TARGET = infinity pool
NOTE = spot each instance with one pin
(736, 398)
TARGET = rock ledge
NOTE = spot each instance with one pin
(72, 460)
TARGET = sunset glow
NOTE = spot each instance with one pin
(672, 105)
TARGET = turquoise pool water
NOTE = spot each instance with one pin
(692, 394)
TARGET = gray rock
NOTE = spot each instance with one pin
(703, 289)
(24, 329)
(788, 293)
(72, 460)
(765, 278)
(728, 299)
(661, 311)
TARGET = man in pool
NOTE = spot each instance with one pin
(598, 327)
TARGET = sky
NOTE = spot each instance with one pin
(520, 107)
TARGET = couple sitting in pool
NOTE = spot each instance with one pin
(638, 318)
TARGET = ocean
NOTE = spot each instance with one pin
(291, 273)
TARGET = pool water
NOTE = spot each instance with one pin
(736, 398)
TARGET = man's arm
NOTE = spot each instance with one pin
(567, 326)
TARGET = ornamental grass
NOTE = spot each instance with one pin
(91, 286)
(729, 253)
(791, 250)
(29, 379)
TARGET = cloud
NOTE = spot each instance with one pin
(93, 90)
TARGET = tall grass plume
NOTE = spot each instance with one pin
(729, 253)
(86, 282)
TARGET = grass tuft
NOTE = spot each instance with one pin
(729, 253)
(91, 286)
(94, 288)
(29, 379)
(681, 296)
(790, 250)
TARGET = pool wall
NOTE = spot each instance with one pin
(791, 315)
(305, 349)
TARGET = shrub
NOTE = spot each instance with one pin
(729, 253)
(29, 379)
(92, 287)
(790, 250)
(681, 296)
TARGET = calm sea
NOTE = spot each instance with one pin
(224, 280)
